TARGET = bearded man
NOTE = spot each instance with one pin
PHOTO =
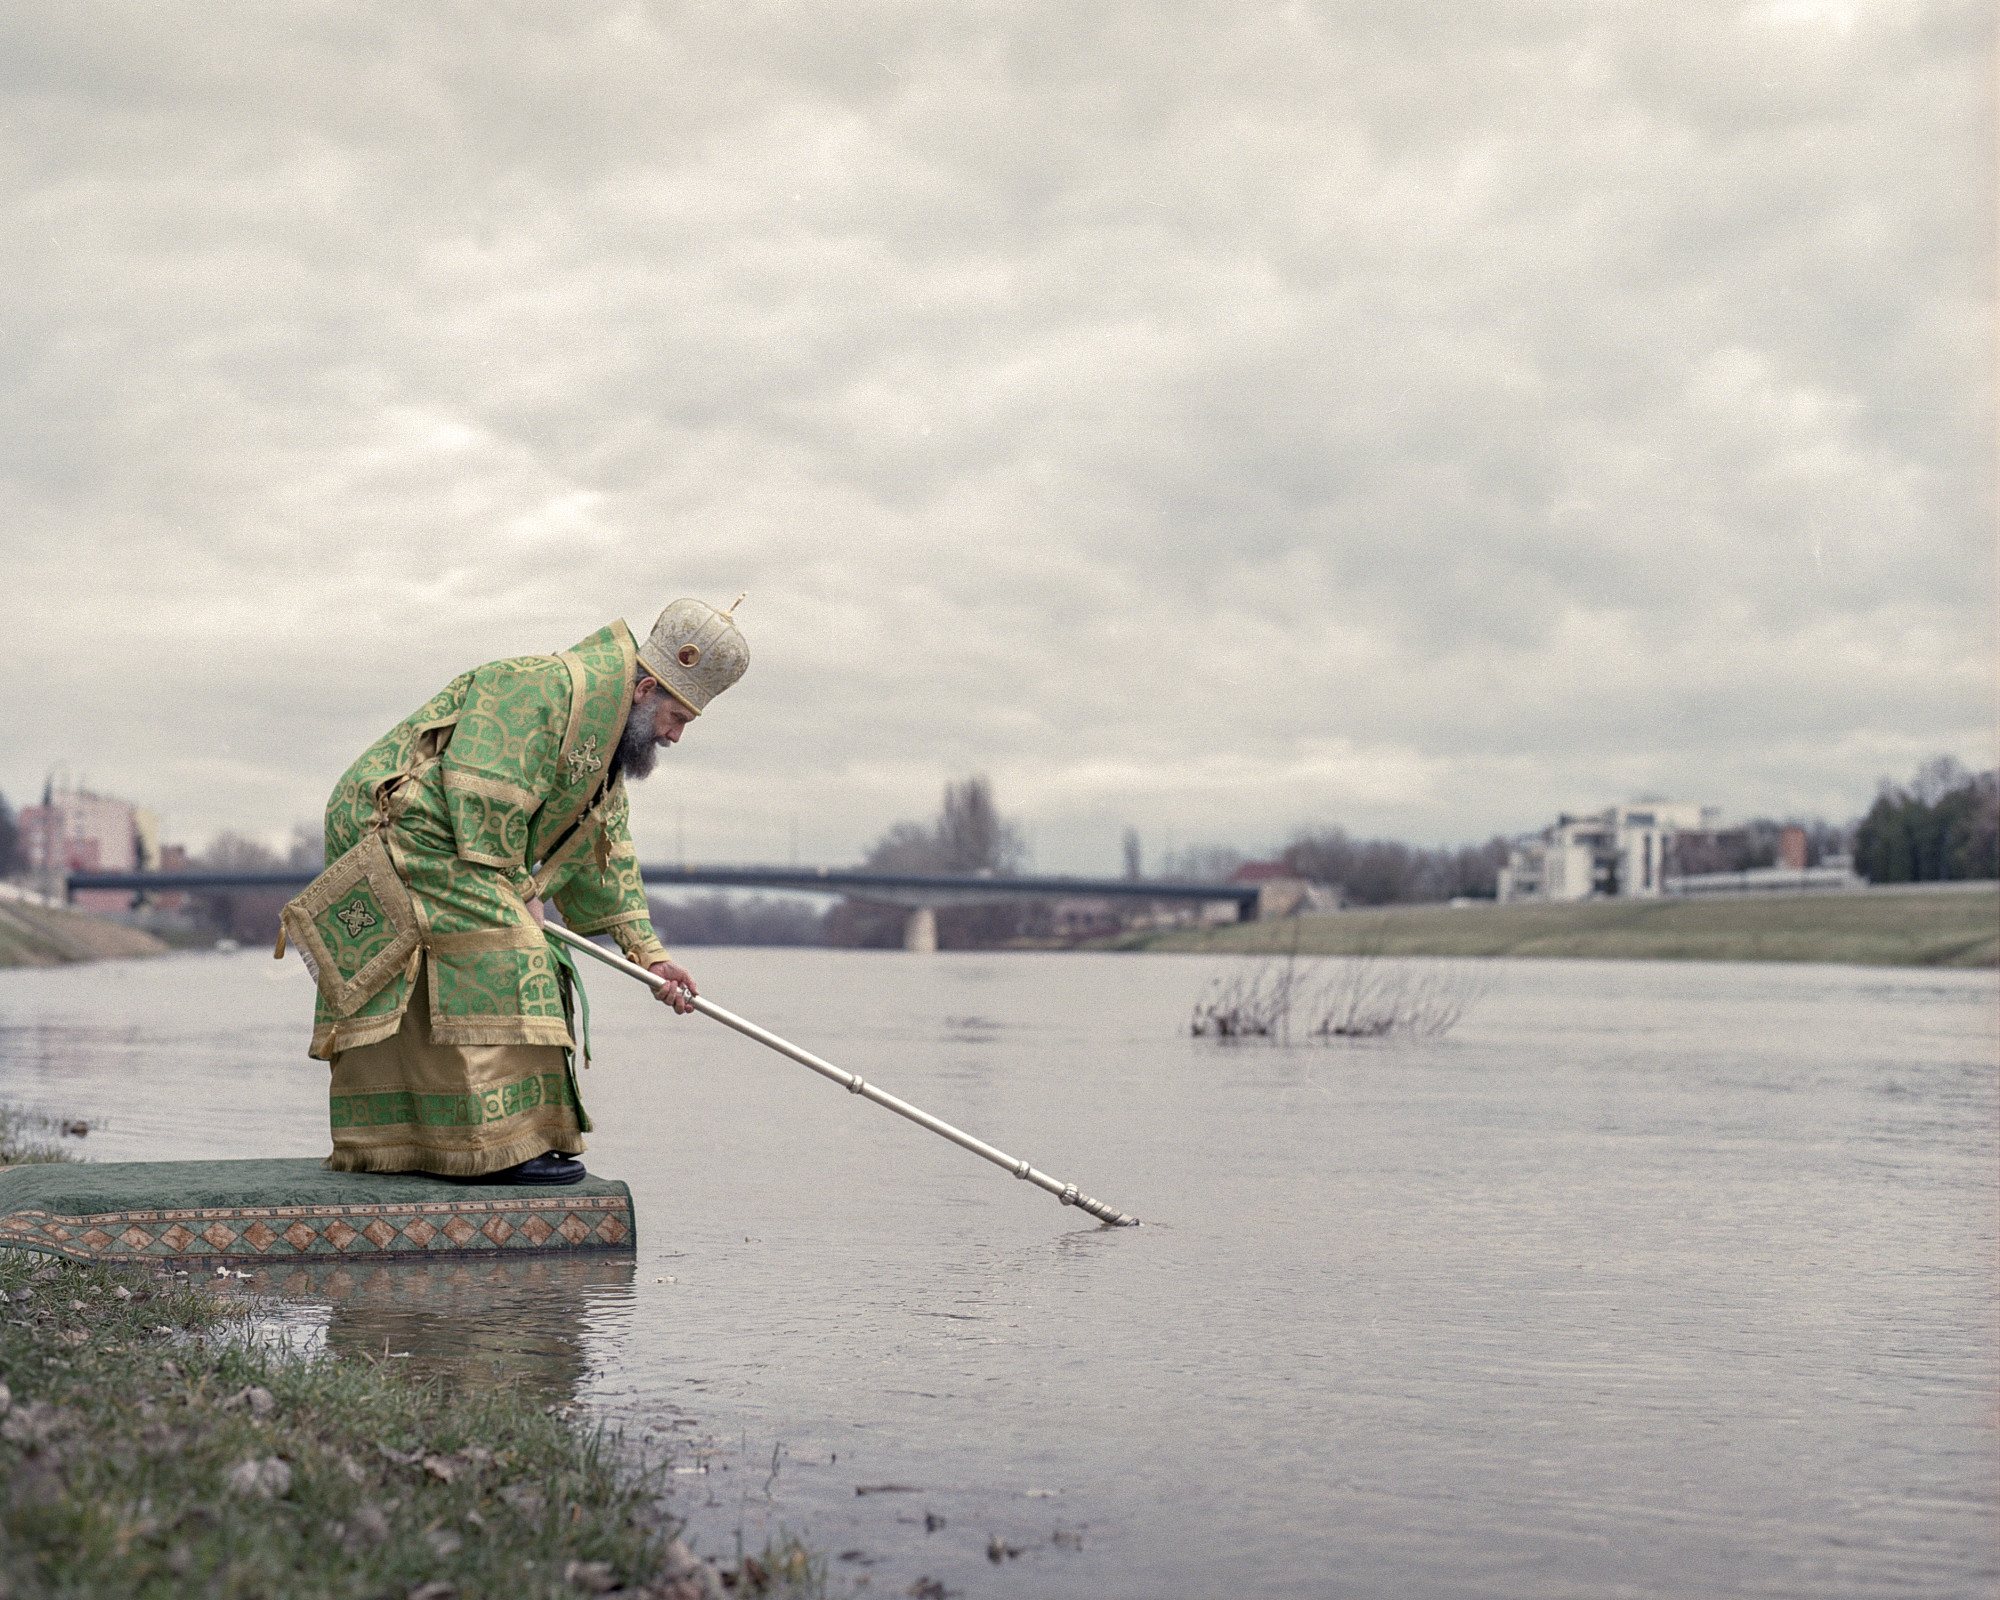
(447, 1016)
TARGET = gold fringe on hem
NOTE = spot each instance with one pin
(454, 1163)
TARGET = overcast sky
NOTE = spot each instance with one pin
(1212, 418)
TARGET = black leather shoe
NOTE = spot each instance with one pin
(549, 1167)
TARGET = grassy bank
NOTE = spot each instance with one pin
(45, 936)
(1915, 929)
(144, 1455)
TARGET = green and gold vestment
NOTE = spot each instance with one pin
(490, 795)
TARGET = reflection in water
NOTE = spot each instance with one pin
(514, 1320)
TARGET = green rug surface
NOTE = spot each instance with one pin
(290, 1208)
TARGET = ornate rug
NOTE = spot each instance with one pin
(283, 1210)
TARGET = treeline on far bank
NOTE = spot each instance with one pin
(1944, 824)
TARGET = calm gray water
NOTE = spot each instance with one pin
(1650, 1279)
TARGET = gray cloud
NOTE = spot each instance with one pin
(1208, 417)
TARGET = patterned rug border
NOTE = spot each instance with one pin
(385, 1232)
(214, 1258)
(414, 1208)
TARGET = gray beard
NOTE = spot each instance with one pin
(638, 750)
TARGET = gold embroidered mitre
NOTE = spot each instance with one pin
(695, 651)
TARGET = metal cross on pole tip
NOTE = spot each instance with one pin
(1067, 1193)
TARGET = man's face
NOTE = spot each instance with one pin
(657, 719)
(670, 719)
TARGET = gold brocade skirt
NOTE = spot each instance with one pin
(410, 1104)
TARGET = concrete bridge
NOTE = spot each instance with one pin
(919, 893)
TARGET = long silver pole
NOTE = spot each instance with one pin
(1067, 1193)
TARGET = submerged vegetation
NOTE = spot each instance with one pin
(1360, 997)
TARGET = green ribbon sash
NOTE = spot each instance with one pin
(576, 1013)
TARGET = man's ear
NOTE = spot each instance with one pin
(644, 685)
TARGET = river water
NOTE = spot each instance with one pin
(1647, 1279)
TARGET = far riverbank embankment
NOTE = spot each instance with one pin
(34, 935)
(1933, 925)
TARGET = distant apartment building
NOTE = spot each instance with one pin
(73, 830)
(1618, 851)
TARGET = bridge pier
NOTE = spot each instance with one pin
(920, 932)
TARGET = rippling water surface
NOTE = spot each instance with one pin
(1650, 1279)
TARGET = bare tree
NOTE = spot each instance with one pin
(971, 835)
(1938, 777)
(738, 920)
(906, 847)
(10, 840)
(308, 847)
(247, 915)
(1377, 872)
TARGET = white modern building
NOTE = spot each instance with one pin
(1619, 851)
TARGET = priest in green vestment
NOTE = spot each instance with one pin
(447, 1016)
